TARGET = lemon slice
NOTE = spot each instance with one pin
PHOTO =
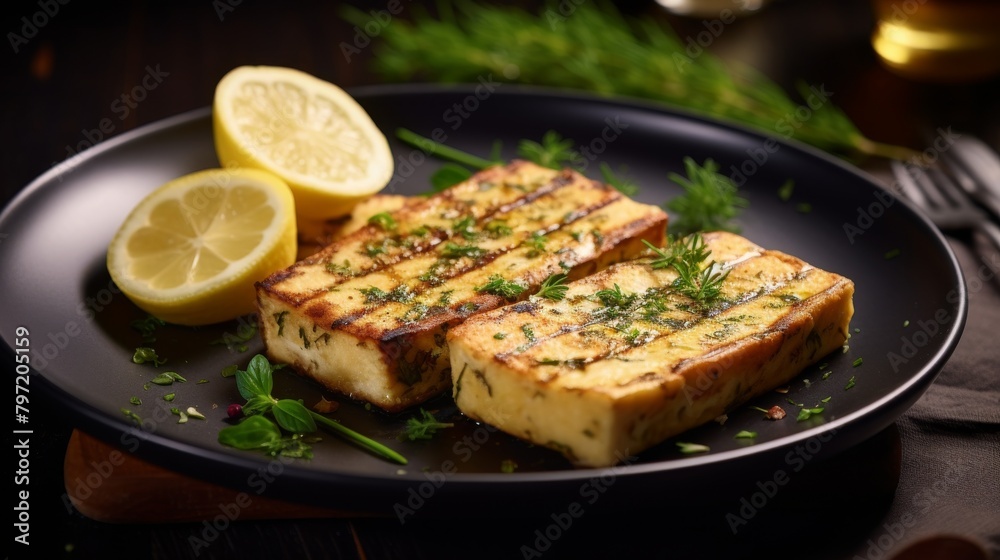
(307, 131)
(190, 252)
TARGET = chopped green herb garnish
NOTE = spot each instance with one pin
(455, 251)
(498, 228)
(554, 151)
(508, 466)
(710, 201)
(344, 269)
(500, 335)
(497, 286)
(147, 327)
(696, 280)
(528, 332)
(145, 354)
(230, 371)
(464, 226)
(858, 362)
(807, 413)
(826, 374)
(135, 400)
(689, 448)
(424, 426)
(614, 297)
(892, 253)
(803, 208)
(167, 378)
(169, 396)
(850, 383)
(536, 244)
(745, 434)
(554, 287)
(906, 323)
(383, 220)
(378, 296)
(785, 190)
(624, 186)
(132, 416)
(826, 400)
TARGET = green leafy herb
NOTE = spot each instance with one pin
(377, 296)
(147, 327)
(135, 401)
(145, 355)
(624, 186)
(850, 383)
(826, 374)
(499, 335)
(167, 378)
(132, 416)
(383, 220)
(536, 242)
(710, 201)
(696, 280)
(858, 362)
(825, 400)
(453, 250)
(460, 45)
(169, 397)
(498, 228)
(906, 323)
(424, 426)
(255, 385)
(554, 151)
(464, 226)
(508, 466)
(554, 287)
(344, 269)
(529, 333)
(497, 286)
(807, 413)
(785, 190)
(745, 434)
(230, 371)
(615, 297)
(448, 175)
(689, 448)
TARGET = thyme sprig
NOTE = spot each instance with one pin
(628, 57)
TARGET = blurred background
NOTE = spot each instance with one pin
(71, 70)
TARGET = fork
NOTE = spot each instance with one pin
(943, 201)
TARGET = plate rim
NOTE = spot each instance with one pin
(165, 449)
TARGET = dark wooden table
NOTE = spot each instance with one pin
(74, 83)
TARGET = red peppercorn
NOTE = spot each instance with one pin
(234, 410)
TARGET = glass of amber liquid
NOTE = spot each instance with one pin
(939, 40)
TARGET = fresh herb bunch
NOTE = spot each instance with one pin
(699, 281)
(710, 201)
(597, 49)
(259, 432)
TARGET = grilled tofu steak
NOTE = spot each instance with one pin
(624, 361)
(367, 316)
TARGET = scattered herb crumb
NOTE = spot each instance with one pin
(689, 448)
(508, 466)
(745, 434)
(803, 208)
(785, 190)
(850, 383)
(906, 323)
(892, 253)
(826, 400)
(826, 375)
(135, 400)
(169, 396)
(230, 371)
(500, 336)
(145, 354)
(857, 362)
(807, 413)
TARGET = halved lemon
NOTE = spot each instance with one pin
(307, 131)
(190, 252)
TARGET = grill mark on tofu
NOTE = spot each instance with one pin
(653, 329)
(387, 324)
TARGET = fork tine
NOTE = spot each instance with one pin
(948, 188)
(908, 184)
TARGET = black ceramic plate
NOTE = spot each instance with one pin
(55, 285)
